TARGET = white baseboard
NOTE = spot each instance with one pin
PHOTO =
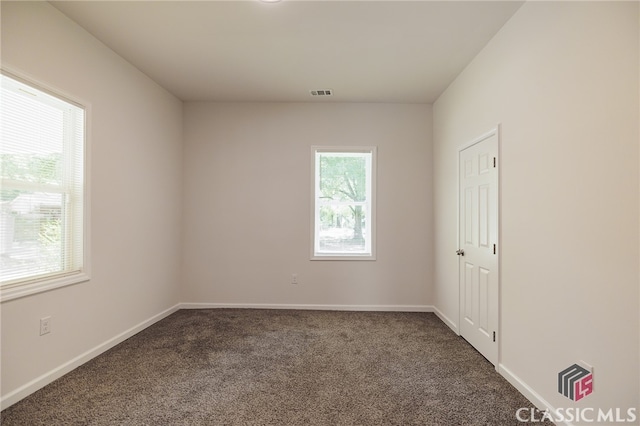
(40, 382)
(445, 319)
(387, 308)
(533, 396)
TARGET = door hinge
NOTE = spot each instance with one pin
(494, 162)
(494, 249)
(494, 336)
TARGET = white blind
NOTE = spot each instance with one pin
(42, 180)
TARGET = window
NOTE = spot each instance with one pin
(42, 208)
(343, 203)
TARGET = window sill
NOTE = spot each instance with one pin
(345, 257)
(19, 290)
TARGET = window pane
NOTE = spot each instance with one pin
(344, 181)
(42, 208)
(32, 134)
(31, 233)
(343, 176)
(33, 167)
(342, 229)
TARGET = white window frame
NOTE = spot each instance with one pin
(316, 254)
(33, 285)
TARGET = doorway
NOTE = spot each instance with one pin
(478, 250)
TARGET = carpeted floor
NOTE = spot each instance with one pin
(278, 367)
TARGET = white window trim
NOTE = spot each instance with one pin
(372, 216)
(24, 288)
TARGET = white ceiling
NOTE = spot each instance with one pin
(246, 50)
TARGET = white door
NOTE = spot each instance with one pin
(478, 245)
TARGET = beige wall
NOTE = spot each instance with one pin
(562, 78)
(247, 204)
(135, 179)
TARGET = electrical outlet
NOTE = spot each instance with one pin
(294, 278)
(45, 325)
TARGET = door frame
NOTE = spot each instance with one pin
(497, 132)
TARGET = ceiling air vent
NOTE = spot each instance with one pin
(322, 92)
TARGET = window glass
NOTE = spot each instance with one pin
(343, 202)
(42, 186)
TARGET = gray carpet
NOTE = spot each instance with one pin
(278, 367)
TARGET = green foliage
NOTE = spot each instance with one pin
(9, 194)
(32, 167)
(342, 178)
(50, 232)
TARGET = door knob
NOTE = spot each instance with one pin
(460, 252)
